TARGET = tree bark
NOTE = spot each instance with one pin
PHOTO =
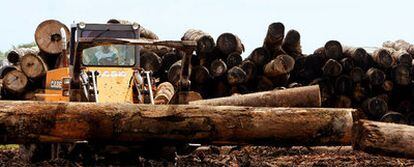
(205, 43)
(308, 96)
(383, 58)
(23, 122)
(333, 50)
(260, 56)
(357, 74)
(401, 75)
(291, 44)
(234, 59)
(236, 76)
(375, 107)
(228, 43)
(150, 61)
(165, 92)
(15, 55)
(394, 117)
(402, 57)
(332, 68)
(174, 73)
(48, 36)
(218, 68)
(250, 68)
(283, 64)
(384, 138)
(143, 32)
(359, 56)
(375, 76)
(169, 59)
(200, 75)
(274, 38)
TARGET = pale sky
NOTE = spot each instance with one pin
(352, 22)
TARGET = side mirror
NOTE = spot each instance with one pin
(64, 41)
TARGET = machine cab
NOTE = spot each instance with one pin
(110, 65)
(101, 69)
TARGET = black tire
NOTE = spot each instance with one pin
(35, 152)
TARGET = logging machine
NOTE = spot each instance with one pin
(103, 66)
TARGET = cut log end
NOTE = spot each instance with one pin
(218, 68)
(283, 64)
(14, 81)
(33, 66)
(333, 50)
(228, 43)
(48, 36)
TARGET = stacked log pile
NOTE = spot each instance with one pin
(378, 83)
(27, 73)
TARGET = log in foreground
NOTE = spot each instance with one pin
(308, 96)
(22, 122)
(384, 138)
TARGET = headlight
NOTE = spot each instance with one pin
(135, 26)
(82, 25)
(65, 83)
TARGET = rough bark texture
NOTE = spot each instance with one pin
(22, 122)
(200, 74)
(234, 59)
(383, 58)
(260, 56)
(150, 61)
(333, 50)
(218, 68)
(384, 138)
(174, 73)
(235, 76)
(308, 96)
(15, 55)
(205, 43)
(359, 56)
(332, 68)
(291, 44)
(165, 92)
(228, 43)
(274, 38)
(283, 64)
(48, 36)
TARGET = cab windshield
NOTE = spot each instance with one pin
(109, 55)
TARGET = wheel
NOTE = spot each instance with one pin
(36, 152)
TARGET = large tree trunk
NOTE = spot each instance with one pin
(308, 96)
(23, 122)
(48, 36)
(384, 138)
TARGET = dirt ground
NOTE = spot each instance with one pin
(243, 156)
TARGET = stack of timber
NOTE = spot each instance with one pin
(27, 73)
